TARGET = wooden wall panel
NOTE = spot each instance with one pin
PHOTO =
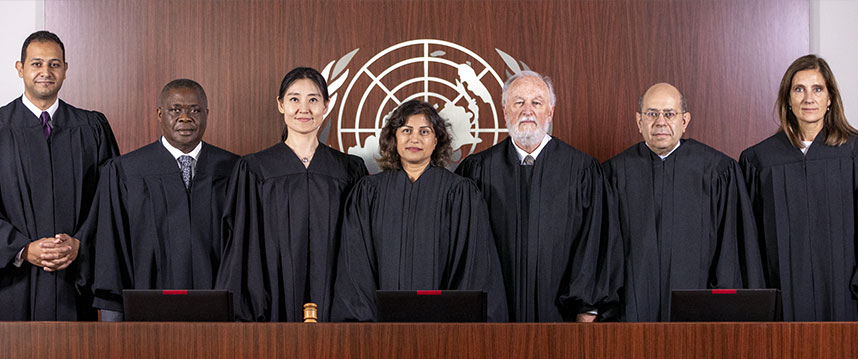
(726, 56)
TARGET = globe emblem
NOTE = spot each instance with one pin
(454, 79)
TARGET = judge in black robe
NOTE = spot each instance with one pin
(550, 270)
(548, 217)
(805, 207)
(684, 213)
(154, 233)
(415, 226)
(686, 223)
(47, 185)
(281, 227)
(805, 203)
(283, 212)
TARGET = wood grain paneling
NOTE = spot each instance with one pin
(338, 341)
(726, 56)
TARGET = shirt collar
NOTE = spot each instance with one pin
(177, 152)
(522, 153)
(806, 146)
(37, 111)
(671, 151)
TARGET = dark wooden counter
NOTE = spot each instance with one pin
(604, 340)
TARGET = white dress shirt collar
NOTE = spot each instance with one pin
(806, 146)
(177, 152)
(37, 111)
(671, 151)
(522, 153)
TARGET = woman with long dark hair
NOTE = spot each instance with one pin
(282, 217)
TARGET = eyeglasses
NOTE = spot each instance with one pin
(668, 115)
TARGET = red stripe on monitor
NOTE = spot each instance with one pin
(723, 291)
(175, 292)
(428, 292)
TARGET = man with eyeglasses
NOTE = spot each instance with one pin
(547, 206)
(683, 210)
(160, 206)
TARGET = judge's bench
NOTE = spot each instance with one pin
(405, 340)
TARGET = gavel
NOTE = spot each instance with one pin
(310, 313)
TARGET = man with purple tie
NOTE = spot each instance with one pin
(50, 154)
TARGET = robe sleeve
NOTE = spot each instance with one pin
(469, 168)
(112, 241)
(473, 262)
(12, 242)
(243, 269)
(107, 148)
(596, 249)
(738, 262)
(768, 249)
(613, 259)
(357, 266)
(357, 169)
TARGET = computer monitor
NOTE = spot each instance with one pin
(430, 306)
(726, 305)
(156, 305)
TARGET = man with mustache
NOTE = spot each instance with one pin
(160, 206)
(547, 204)
(684, 213)
(50, 154)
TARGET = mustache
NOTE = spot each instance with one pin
(525, 118)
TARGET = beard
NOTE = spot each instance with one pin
(528, 138)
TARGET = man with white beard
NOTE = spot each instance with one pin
(547, 205)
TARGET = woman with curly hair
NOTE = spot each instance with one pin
(416, 225)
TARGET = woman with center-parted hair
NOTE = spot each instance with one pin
(415, 226)
(803, 182)
(282, 217)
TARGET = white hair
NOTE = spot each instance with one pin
(528, 73)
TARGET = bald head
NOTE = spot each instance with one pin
(662, 117)
(663, 86)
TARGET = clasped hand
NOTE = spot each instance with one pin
(53, 253)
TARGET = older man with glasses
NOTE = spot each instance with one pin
(683, 210)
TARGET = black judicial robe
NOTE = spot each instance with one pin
(154, 234)
(432, 234)
(281, 231)
(47, 187)
(805, 213)
(686, 223)
(559, 266)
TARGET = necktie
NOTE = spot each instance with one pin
(529, 160)
(46, 119)
(186, 162)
